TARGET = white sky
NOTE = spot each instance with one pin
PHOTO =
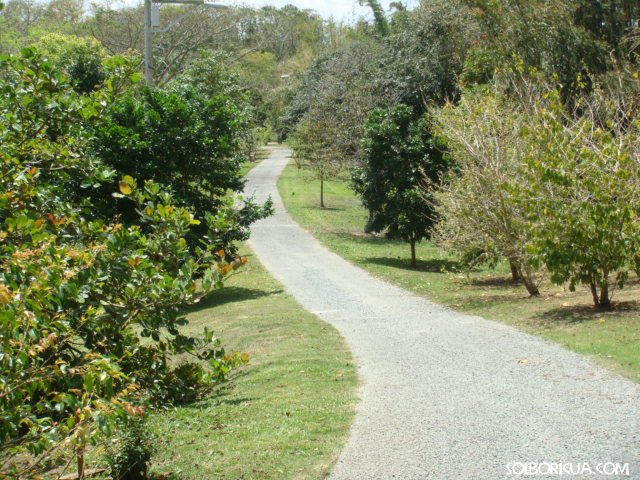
(339, 9)
(344, 10)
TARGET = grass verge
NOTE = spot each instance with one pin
(283, 416)
(567, 318)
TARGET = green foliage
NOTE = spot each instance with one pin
(610, 21)
(81, 58)
(542, 35)
(179, 138)
(582, 198)
(399, 156)
(129, 453)
(426, 53)
(90, 309)
(333, 102)
(176, 137)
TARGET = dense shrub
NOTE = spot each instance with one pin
(81, 58)
(181, 139)
(90, 308)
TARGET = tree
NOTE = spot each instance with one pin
(337, 95)
(426, 49)
(541, 34)
(398, 156)
(583, 197)
(479, 216)
(81, 58)
(181, 139)
(311, 145)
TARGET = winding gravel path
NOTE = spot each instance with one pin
(443, 395)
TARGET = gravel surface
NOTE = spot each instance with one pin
(446, 395)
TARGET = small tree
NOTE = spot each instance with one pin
(480, 218)
(583, 197)
(398, 155)
(311, 144)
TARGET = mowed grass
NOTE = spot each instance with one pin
(286, 414)
(613, 338)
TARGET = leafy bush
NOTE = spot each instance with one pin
(79, 57)
(185, 141)
(582, 194)
(129, 453)
(90, 308)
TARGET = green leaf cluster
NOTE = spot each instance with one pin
(90, 307)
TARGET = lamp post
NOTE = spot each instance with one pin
(148, 29)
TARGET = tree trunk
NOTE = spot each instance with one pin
(414, 264)
(515, 275)
(602, 300)
(80, 462)
(321, 191)
(529, 283)
(605, 300)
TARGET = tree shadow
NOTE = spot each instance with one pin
(324, 209)
(494, 282)
(435, 265)
(574, 314)
(229, 295)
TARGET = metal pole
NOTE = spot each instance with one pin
(148, 53)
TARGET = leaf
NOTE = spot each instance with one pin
(127, 184)
(5, 295)
(125, 188)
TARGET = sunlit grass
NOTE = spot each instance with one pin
(286, 414)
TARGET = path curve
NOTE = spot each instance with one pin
(443, 395)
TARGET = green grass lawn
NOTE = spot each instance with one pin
(286, 414)
(559, 315)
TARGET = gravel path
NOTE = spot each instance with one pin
(443, 394)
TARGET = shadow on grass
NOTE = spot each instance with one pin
(229, 295)
(586, 312)
(433, 265)
(499, 281)
(325, 209)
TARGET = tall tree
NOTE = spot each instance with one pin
(399, 155)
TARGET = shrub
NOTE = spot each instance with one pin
(90, 309)
(129, 453)
(180, 139)
(79, 57)
(582, 195)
